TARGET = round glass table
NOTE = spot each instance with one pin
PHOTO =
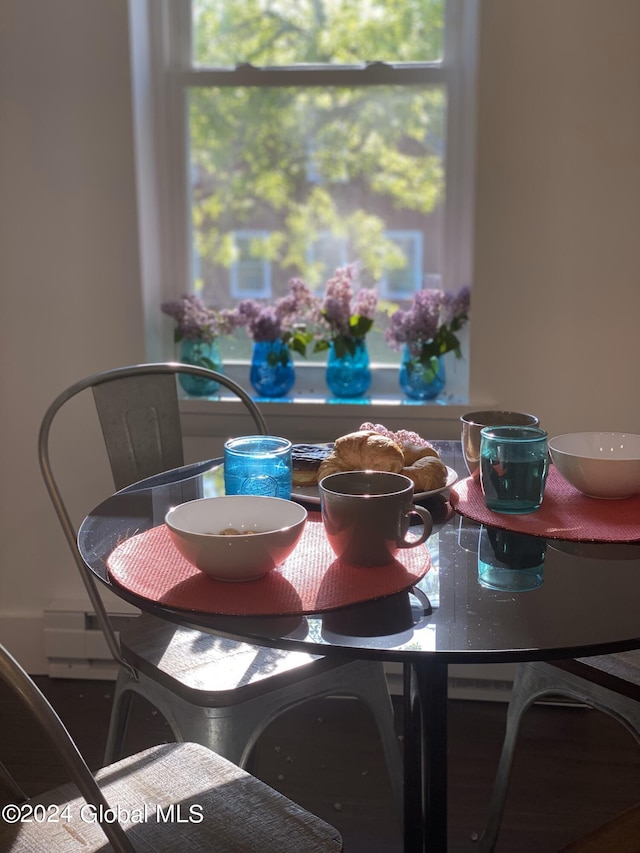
(490, 596)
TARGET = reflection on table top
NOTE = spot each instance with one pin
(582, 598)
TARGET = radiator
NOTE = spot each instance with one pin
(477, 682)
(74, 645)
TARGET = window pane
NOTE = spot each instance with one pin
(250, 271)
(321, 177)
(325, 254)
(401, 282)
(288, 32)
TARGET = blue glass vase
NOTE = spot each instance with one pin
(419, 380)
(349, 374)
(202, 354)
(272, 371)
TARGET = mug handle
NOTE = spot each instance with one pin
(427, 526)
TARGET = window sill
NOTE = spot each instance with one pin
(308, 418)
(309, 414)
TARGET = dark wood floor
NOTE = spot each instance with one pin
(575, 767)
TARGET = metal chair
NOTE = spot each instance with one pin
(169, 798)
(211, 690)
(608, 683)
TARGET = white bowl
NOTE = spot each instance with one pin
(268, 531)
(599, 464)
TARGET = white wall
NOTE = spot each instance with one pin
(555, 303)
(556, 299)
(68, 259)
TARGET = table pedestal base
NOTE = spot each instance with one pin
(425, 756)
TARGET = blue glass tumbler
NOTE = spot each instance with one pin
(514, 462)
(258, 465)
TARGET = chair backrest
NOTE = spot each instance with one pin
(138, 408)
(46, 717)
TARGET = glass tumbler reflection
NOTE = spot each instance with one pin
(510, 562)
(258, 465)
(513, 468)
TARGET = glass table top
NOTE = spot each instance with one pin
(490, 595)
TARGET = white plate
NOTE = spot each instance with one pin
(310, 494)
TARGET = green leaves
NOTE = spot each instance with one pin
(359, 326)
(445, 341)
(280, 356)
(298, 340)
(205, 361)
(344, 345)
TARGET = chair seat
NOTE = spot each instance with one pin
(171, 798)
(619, 671)
(190, 662)
(224, 693)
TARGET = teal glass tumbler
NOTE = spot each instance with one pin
(258, 465)
(514, 462)
(510, 562)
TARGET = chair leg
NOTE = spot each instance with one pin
(9, 782)
(534, 680)
(370, 686)
(524, 692)
(232, 731)
(119, 720)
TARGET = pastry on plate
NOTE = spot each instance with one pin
(361, 451)
(375, 448)
(305, 462)
(428, 473)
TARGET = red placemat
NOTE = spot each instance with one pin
(565, 513)
(311, 580)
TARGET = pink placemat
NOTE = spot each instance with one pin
(311, 580)
(565, 513)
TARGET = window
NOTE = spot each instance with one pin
(325, 253)
(400, 281)
(250, 276)
(283, 137)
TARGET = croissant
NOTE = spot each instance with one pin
(413, 452)
(363, 450)
(428, 473)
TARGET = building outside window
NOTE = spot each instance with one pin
(250, 271)
(400, 283)
(325, 253)
(289, 136)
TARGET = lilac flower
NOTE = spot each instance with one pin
(282, 320)
(261, 321)
(428, 327)
(196, 322)
(346, 315)
(298, 304)
(365, 303)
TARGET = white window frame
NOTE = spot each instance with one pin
(161, 74)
